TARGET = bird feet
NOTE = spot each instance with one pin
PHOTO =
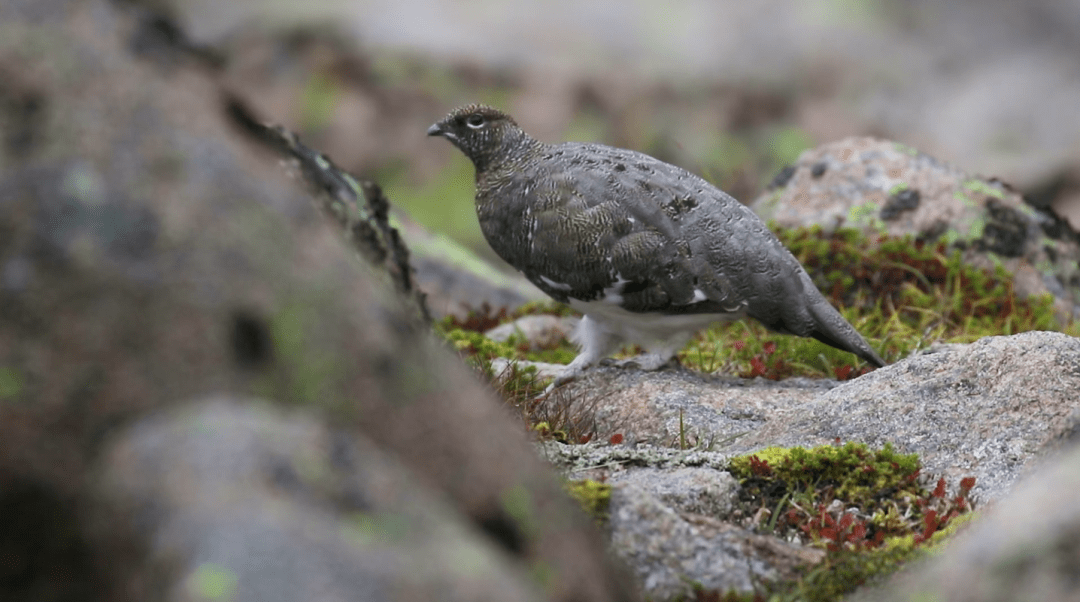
(649, 362)
(646, 362)
(572, 372)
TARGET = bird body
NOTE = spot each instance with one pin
(649, 252)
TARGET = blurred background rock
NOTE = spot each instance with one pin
(731, 89)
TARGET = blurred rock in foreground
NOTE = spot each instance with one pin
(150, 257)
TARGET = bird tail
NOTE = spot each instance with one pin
(832, 329)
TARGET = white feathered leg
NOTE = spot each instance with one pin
(659, 353)
(595, 341)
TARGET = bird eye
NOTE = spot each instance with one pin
(475, 121)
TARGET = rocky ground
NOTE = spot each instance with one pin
(217, 378)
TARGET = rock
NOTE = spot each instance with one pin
(688, 490)
(539, 331)
(602, 461)
(1023, 548)
(669, 519)
(360, 210)
(989, 409)
(151, 254)
(992, 410)
(672, 405)
(543, 369)
(670, 551)
(269, 504)
(885, 187)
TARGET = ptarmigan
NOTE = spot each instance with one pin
(649, 252)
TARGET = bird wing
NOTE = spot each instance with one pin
(621, 226)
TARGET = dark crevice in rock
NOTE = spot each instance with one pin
(1005, 232)
(783, 177)
(251, 342)
(43, 555)
(505, 531)
(905, 200)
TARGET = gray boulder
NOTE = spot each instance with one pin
(992, 410)
(263, 504)
(150, 255)
(887, 187)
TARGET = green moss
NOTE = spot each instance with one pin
(318, 99)
(11, 383)
(866, 507)
(212, 581)
(976, 228)
(310, 372)
(380, 528)
(517, 502)
(866, 213)
(594, 497)
(476, 345)
(841, 573)
(982, 187)
(467, 335)
(851, 472)
(963, 197)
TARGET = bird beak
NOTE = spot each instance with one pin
(435, 130)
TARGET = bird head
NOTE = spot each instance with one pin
(486, 135)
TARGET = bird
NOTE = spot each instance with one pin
(649, 253)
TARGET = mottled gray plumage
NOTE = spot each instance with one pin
(649, 252)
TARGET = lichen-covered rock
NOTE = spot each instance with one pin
(671, 551)
(989, 410)
(694, 490)
(885, 187)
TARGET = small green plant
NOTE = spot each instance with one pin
(594, 497)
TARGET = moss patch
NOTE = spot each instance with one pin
(11, 383)
(594, 497)
(551, 417)
(467, 335)
(868, 508)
